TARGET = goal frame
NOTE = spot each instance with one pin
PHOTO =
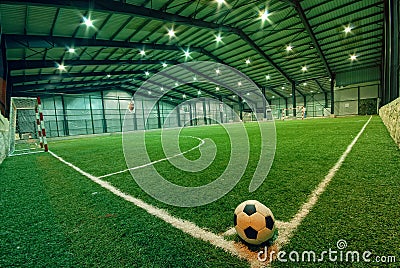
(39, 131)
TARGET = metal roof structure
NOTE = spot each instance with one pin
(284, 46)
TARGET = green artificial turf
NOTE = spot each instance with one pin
(89, 226)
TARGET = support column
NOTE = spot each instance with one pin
(240, 108)
(294, 99)
(333, 94)
(221, 110)
(390, 61)
(103, 112)
(178, 114)
(158, 115)
(190, 113)
(264, 102)
(65, 122)
(204, 112)
(91, 113)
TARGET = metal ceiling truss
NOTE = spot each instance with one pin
(33, 78)
(38, 64)
(127, 9)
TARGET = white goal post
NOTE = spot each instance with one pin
(27, 129)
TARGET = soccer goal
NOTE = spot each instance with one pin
(27, 130)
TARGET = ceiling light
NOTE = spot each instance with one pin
(304, 68)
(264, 15)
(108, 75)
(194, 78)
(304, 84)
(199, 92)
(164, 65)
(248, 61)
(146, 73)
(248, 93)
(273, 97)
(289, 48)
(71, 50)
(187, 54)
(217, 71)
(88, 22)
(353, 57)
(218, 38)
(239, 83)
(162, 88)
(142, 52)
(347, 29)
(312, 91)
(176, 84)
(291, 94)
(149, 92)
(220, 2)
(171, 33)
(61, 67)
(217, 88)
(184, 96)
(267, 77)
(283, 87)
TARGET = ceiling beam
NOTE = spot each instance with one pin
(128, 9)
(307, 26)
(37, 64)
(320, 86)
(43, 86)
(39, 41)
(41, 77)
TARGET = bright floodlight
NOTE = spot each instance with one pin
(267, 77)
(347, 29)
(218, 38)
(217, 71)
(108, 75)
(289, 48)
(353, 57)
(88, 22)
(239, 83)
(264, 15)
(164, 65)
(146, 73)
(61, 67)
(187, 54)
(71, 50)
(217, 88)
(142, 52)
(248, 61)
(304, 84)
(199, 92)
(304, 68)
(171, 33)
(184, 96)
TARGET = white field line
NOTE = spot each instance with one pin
(289, 228)
(183, 225)
(157, 161)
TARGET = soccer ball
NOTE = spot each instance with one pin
(254, 222)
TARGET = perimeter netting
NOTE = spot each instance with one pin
(27, 133)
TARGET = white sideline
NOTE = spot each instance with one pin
(183, 225)
(157, 161)
(287, 232)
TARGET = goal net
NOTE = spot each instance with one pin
(27, 131)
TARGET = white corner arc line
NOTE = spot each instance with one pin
(183, 225)
(290, 228)
(157, 161)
